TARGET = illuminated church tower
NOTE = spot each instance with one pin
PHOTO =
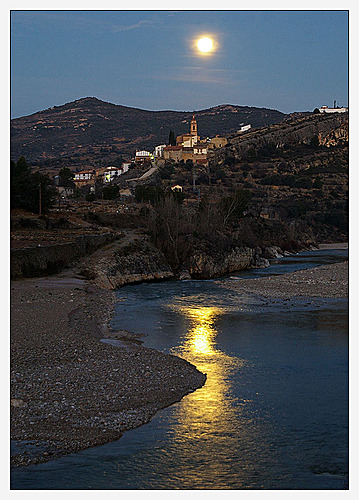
(193, 126)
(189, 140)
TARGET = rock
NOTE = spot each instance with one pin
(260, 262)
(129, 261)
(205, 265)
(330, 131)
(18, 403)
(184, 275)
(273, 252)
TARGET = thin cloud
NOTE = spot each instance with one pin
(145, 23)
(197, 74)
(76, 19)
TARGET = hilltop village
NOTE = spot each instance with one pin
(186, 148)
(144, 165)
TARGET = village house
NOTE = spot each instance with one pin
(106, 174)
(172, 153)
(158, 152)
(143, 157)
(325, 109)
(244, 128)
(217, 142)
(84, 177)
(126, 166)
(65, 191)
(111, 173)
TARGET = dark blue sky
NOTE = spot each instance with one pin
(285, 60)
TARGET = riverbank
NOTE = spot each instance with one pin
(329, 281)
(69, 390)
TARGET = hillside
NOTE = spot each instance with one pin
(91, 131)
(296, 172)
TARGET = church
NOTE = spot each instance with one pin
(189, 147)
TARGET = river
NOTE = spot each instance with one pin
(273, 413)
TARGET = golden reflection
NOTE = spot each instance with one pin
(213, 401)
(202, 335)
(209, 419)
(212, 422)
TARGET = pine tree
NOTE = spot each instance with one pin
(171, 139)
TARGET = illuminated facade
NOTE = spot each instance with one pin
(188, 147)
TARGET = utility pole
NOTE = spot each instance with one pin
(40, 198)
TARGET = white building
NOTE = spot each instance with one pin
(325, 109)
(125, 166)
(84, 175)
(143, 155)
(158, 153)
(111, 173)
(244, 128)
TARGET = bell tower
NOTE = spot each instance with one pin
(193, 126)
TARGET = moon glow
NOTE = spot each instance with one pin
(205, 44)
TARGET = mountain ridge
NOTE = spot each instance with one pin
(101, 101)
(98, 130)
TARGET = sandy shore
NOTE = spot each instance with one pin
(333, 246)
(330, 281)
(69, 390)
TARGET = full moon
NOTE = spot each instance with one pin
(205, 44)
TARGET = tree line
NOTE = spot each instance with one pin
(175, 228)
(30, 191)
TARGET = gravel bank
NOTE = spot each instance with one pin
(330, 281)
(69, 390)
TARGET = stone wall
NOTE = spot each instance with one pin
(49, 259)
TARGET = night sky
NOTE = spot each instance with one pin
(284, 60)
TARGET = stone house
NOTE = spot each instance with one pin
(217, 142)
(172, 153)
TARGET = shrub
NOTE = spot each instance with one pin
(110, 192)
(26, 188)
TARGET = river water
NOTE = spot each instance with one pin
(273, 413)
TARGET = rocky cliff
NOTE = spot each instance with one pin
(329, 129)
(133, 259)
(204, 265)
